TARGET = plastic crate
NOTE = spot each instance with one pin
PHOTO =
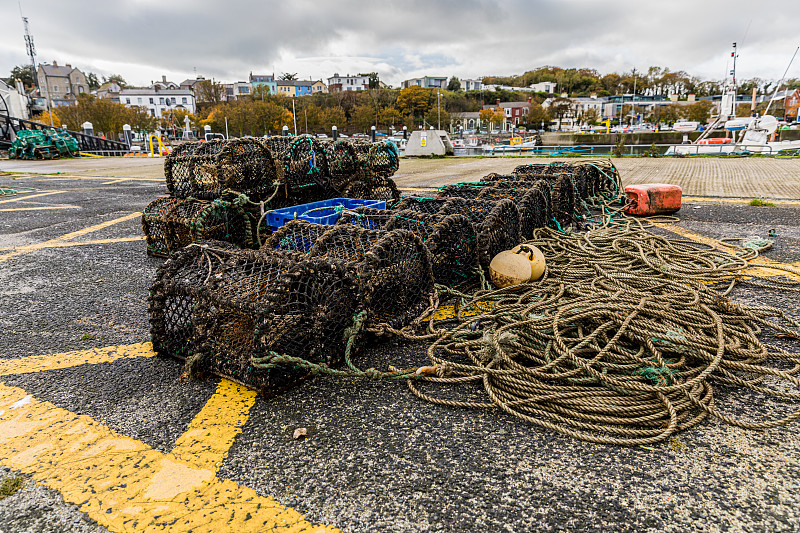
(323, 212)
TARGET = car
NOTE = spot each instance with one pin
(360, 135)
(343, 135)
(322, 135)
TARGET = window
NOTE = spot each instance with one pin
(55, 88)
(161, 101)
(151, 100)
(80, 89)
(138, 100)
(173, 101)
(127, 100)
(183, 100)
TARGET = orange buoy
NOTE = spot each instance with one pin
(652, 199)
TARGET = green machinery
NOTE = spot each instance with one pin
(43, 144)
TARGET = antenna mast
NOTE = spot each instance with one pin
(29, 46)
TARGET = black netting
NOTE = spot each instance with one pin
(450, 240)
(420, 204)
(171, 223)
(533, 205)
(220, 308)
(469, 191)
(342, 163)
(373, 189)
(241, 165)
(295, 236)
(383, 159)
(496, 224)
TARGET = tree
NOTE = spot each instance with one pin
(389, 116)
(454, 84)
(46, 116)
(374, 80)
(536, 115)
(106, 116)
(414, 101)
(288, 76)
(698, 111)
(560, 108)
(25, 74)
(590, 116)
(208, 93)
(93, 81)
(493, 117)
(116, 78)
(435, 117)
(363, 117)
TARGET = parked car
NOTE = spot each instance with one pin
(322, 135)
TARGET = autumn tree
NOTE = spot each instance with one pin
(414, 101)
(208, 93)
(536, 115)
(106, 116)
(436, 117)
(698, 111)
(363, 117)
(389, 116)
(493, 117)
(560, 108)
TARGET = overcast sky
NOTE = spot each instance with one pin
(226, 40)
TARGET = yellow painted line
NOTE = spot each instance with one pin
(447, 312)
(210, 435)
(29, 196)
(40, 208)
(756, 271)
(122, 483)
(744, 201)
(89, 178)
(42, 363)
(112, 182)
(69, 236)
(83, 243)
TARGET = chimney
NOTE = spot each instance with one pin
(530, 99)
(68, 65)
(55, 63)
(498, 102)
(163, 78)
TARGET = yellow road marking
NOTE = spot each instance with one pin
(209, 437)
(69, 236)
(82, 243)
(760, 264)
(88, 178)
(29, 196)
(42, 363)
(41, 208)
(122, 483)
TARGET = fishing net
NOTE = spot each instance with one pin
(451, 239)
(496, 224)
(420, 204)
(219, 308)
(305, 165)
(342, 163)
(169, 224)
(373, 189)
(278, 145)
(394, 266)
(533, 204)
(470, 191)
(383, 159)
(241, 165)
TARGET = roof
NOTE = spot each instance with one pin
(160, 92)
(298, 83)
(50, 70)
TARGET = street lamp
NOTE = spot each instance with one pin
(439, 109)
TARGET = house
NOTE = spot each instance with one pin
(543, 87)
(157, 101)
(435, 82)
(236, 90)
(190, 84)
(109, 91)
(467, 120)
(264, 80)
(471, 85)
(300, 87)
(514, 112)
(337, 83)
(60, 85)
(164, 84)
(14, 98)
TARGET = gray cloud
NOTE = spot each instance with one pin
(143, 39)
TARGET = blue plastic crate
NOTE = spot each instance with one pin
(324, 212)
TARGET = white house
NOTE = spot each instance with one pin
(337, 83)
(158, 100)
(471, 85)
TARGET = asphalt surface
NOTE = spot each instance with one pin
(376, 458)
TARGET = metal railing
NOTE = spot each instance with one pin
(9, 126)
(668, 150)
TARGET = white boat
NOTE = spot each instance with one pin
(685, 125)
(753, 138)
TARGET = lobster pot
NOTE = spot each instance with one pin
(277, 145)
(496, 224)
(169, 224)
(241, 165)
(564, 201)
(394, 270)
(383, 159)
(361, 151)
(450, 240)
(494, 178)
(342, 163)
(252, 306)
(394, 267)
(295, 236)
(470, 191)
(373, 189)
(305, 166)
(556, 167)
(533, 204)
(178, 177)
(420, 204)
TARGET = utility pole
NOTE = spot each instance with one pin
(294, 116)
(439, 109)
(633, 102)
